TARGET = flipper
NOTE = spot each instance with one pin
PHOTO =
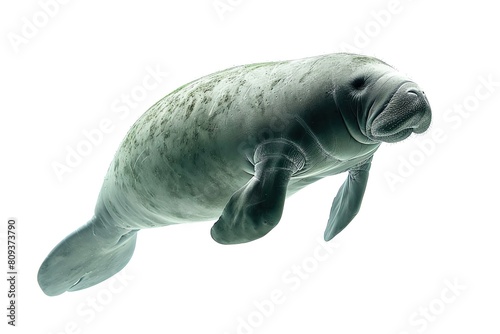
(348, 200)
(256, 208)
(86, 257)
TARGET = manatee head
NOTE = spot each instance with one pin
(378, 103)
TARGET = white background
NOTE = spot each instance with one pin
(393, 261)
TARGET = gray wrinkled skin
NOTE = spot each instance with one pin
(232, 146)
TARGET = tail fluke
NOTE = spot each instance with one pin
(86, 257)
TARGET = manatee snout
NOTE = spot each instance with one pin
(407, 111)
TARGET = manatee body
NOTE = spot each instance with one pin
(231, 146)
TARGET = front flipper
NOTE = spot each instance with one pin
(256, 208)
(348, 200)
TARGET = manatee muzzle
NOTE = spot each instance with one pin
(406, 111)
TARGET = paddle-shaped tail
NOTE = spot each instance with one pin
(86, 257)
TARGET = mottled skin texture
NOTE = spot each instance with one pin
(232, 146)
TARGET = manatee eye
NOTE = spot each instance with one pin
(359, 83)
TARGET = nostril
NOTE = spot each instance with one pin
(412, 91)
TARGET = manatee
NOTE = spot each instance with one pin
(231, 146)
